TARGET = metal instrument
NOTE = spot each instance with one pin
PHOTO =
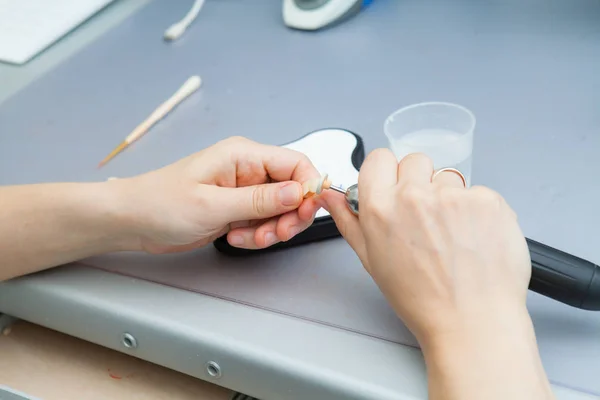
(351, 195)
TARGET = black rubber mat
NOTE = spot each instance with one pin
(241, 396)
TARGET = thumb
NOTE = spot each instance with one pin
(346, 222)
(262, 201)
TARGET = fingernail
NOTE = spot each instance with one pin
(270, 238)
(293, 231)
(236, 240)
(289, 195)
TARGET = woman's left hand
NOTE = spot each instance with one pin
(251, 191)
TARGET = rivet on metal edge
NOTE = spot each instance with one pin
(213, 369)
(129, 341)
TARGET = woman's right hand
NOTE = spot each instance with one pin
(452, 262)
(439, 252)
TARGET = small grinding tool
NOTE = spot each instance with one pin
(315, 186)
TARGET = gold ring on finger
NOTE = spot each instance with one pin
(454, 170)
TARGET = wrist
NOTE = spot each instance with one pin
(486, 343)
(106, 206)
(473, 318)
(480, 329)
(495, 357)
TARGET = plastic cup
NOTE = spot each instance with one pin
(442, 131)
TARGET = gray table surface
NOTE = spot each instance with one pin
(528, 70)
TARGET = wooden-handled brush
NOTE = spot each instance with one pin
(189, 87)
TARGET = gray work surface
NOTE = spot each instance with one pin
(528, 71)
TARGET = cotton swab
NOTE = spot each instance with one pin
(189, 87)
(178, 28)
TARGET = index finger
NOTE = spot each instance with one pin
(256, 163)
(377, 173)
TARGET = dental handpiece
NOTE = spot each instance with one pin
(317, 185)
(351, 196)
(555, 274)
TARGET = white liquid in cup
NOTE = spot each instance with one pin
(447, 149)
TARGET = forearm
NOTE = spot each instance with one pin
(493, 360)
(47, 225)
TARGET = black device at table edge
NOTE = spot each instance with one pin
(555, 274)
(564, 277)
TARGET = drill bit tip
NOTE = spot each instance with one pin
(337, 189)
